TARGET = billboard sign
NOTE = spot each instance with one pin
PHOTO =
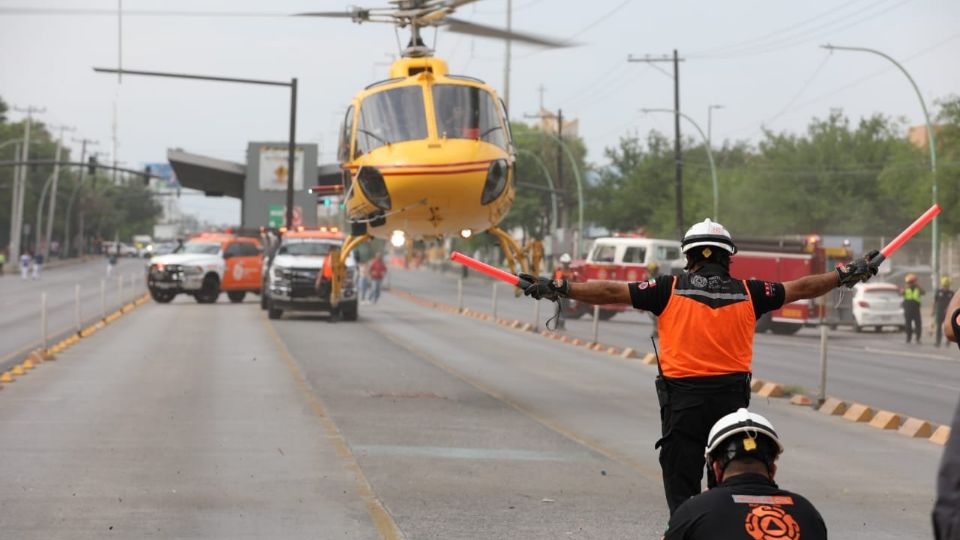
(278, 216)
(163, 169)
(273, 168)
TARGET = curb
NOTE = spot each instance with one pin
(37, 357)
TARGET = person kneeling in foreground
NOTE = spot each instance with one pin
(742, 451)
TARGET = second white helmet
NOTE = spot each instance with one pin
(565, 258)
(708, 233)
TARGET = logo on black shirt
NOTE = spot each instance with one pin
(771, 523)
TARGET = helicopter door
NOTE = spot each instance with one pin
(468, 112)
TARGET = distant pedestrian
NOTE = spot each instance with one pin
(378, 270)
(364, 281)
(37, 264)
(111, 263)
(913, 321)
(3, 261)
(25, 265)
(941, 299)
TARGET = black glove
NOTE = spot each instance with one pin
(858, 271)
(541, 287)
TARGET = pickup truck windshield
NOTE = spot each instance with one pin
(206, 248)
(308, 248)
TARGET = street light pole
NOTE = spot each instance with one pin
(576, 176)
(292, 85)
(20, 185)
(931, 142)
(706, 142)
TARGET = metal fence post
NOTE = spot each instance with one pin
(120, 291)
(822, 391)
(596, 323)
(76, 305)
(43, 319)
(494, 306)
(103, 299)
(536, 316)
(460, 294)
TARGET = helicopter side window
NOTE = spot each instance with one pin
(468, 112)
(343, 154)
(391, 116)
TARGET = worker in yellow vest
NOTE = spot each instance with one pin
(913, 323)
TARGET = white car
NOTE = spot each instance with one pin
(877, 305)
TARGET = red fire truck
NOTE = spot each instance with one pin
(784, 259)
(622, 258)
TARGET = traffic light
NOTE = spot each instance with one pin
(146, 175)
(92, 165)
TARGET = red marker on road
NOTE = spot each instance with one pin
(491, 271)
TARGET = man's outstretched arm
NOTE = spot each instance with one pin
(848, 275)
(600, 292)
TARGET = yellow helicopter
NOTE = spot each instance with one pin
(426, 154)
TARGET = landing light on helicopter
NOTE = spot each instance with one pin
(398, 239)
(466, 233)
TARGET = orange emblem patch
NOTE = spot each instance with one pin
(771, 523)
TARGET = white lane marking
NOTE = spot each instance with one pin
(930, 383)
(446, 452)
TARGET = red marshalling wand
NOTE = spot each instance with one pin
(907, 233)
(491, 271)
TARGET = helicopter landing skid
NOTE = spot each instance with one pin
(515, 253)
(339, 258)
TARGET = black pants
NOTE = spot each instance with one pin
(939, 328)
(692, 406)
(913, 324)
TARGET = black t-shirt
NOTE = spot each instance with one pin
(941, 299)
(653, 295)
(746, 506)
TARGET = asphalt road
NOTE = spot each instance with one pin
(210, 421)
(20, 327)
(880, 370)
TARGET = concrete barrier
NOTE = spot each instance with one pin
(6, 377)
(771, 389)
(917, 428)
(940, 435)
(629, 353)
(800, 399)
(833, 407)
(885, 420)
(649, 359)
(859, 413)
(756, 385)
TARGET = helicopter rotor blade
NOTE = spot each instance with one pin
(355, 14)
(464, 27)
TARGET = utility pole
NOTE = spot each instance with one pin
(561, 186)
(51, 208)
(678, 151)
(506, 63)
(20, 185)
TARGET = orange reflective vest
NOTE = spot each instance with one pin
(697, 340)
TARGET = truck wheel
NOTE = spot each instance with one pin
(210, 291)
(348, 311)
(857, 328)
(785, 329)
(273, 312)
(878, 329)
(162, 297)
(263, 296)
(607, 314)
(236, 296)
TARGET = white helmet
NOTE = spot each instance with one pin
(742, 421)
(565, 258)
(708, 233)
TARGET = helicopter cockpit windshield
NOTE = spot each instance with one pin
(467, 112)
(391, 116)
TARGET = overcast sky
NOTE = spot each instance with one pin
(759, 59)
